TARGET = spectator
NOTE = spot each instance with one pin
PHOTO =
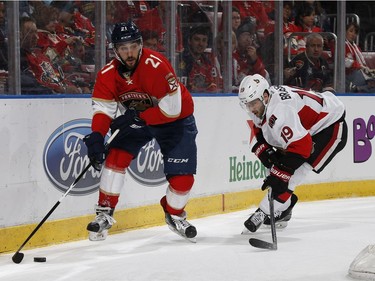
(73, 23)
(110, 19)
(87, 9)
(199, 70)
(255, 11)
(27, 8)
(66, 52)
(151, 40)
(247, 52)
(359, 77)
(236, 19)
(37, 66)
(309, 70)
(154, 19)
(58, 49)
(268, 46)
(321, 19)
(289, 27)
(125, 10)
(221, 52)
(269, 7)
(305, 22)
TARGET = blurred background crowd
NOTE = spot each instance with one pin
(56, 47)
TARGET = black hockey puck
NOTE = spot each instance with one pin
(40, 259)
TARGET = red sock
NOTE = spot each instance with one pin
(107, 200)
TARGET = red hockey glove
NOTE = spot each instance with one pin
(265, 153)
(278, 179)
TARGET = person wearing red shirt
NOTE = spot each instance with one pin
(359, 77)
(255, 10)
(57, 48)
(141, 84)
(289, 27)
(246, 53)
(155, 20)
(305, 22)
(35, 61)
(200, 70)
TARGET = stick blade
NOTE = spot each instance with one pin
(17, 257)
(262, 244)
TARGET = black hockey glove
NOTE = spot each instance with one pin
(278, 179)
(265, 153)
(130, 119)
(95, 149)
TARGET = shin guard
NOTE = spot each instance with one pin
(178, 192)
(113, 176)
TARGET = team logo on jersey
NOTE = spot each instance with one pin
(48, 75)
(299, 64)
(65, 157)
(148, 167)
(172, 81)
(272, 120)
(138, 101)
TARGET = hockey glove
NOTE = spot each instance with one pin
(130, 119)
(278, 179)
(95, 149)
(265, 153)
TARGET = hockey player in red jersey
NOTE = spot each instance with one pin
(296, 131)
(142, 85)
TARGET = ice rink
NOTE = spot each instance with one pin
(319, 244)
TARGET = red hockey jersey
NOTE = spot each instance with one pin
(153, 89)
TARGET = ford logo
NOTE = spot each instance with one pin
(148, 167)
(65, 157)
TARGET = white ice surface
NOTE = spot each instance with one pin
(319, 244)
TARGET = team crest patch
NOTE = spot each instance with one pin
(299, 64)
(172, 81)
(135, 100)
(272, 120)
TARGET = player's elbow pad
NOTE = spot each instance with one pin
(171, 104)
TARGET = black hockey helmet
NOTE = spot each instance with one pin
(125, 32)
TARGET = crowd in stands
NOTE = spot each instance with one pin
(57, 40)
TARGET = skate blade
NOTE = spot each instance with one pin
(245, 231)
(278, 224)
(98, 236)
(192, 240)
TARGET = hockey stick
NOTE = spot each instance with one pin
(263, 244)
(18, 256)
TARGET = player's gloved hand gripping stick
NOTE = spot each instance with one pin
(18, 256)
(129, 119)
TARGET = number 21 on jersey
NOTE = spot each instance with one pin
(152, 59)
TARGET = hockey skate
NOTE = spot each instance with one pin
(98, 229)
(282, 218)
(255, 221)
(179, 224)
